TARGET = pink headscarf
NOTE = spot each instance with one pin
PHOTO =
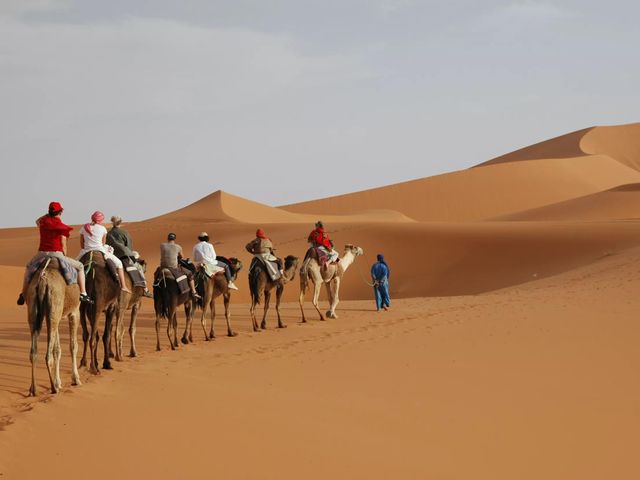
(96, 217)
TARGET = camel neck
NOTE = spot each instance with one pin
(289, 273)
(346, 261)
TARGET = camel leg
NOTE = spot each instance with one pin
(106, 339)
(335, 289)
(187, 327)
(132, 330)
(227, 315)
(267, 298)
(279, 293)
(252, 314)
(329, 298)
(170, 325)
(57, 353)
(316, 297)
(49, 355)
(94, 338)
(175, 329)
(212, 333)
(303, 290)
(157, 332)
(203, 319)
(33, 356)
(119, 340)
(73, 347)
(85, 335)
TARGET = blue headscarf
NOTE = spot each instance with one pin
(381, 260)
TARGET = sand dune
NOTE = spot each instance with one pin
(620, 142)
(619, 203)
(481, 193)
(566, 167)
(224, 207)
(511, 343)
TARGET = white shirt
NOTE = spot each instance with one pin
(93, 241)
(203, 252)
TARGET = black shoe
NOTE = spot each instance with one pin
(20, 299)
(86, 298)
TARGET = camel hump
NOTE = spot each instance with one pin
(94, 257)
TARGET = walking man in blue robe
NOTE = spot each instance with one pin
(380, 276)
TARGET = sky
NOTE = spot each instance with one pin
(138, 107)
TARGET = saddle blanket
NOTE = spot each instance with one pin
(272, 267)
(69, 273)
(174, 274)
(134, 270)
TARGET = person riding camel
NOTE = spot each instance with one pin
(318, 238)
(322, 244)
(170, 255)
(120, 240)
(92, 239)
(204, 255)
(262, 248)
(53, 243)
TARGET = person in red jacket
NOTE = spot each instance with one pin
(53, 243)
(319, 238)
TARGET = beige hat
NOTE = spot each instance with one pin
(203, 234)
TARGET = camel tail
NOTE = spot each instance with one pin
(253, 285)
(161, 301)
(201, 285)
(41, 306)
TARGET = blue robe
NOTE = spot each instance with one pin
(380, 278)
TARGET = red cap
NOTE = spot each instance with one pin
(260, 233)
(55, 207)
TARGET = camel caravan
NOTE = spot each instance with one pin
(107, 280)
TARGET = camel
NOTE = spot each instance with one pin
(211, 288)
(105, 291)
(166, 300)
(331, 275)
(260, 284)
(49, 298)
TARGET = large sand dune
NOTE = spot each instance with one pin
(570, 166)
(510, 350)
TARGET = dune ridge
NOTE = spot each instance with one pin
(618, 203)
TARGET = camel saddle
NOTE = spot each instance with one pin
(134, 270)
(69, 273)
(177, 274)
(320, 255)
(258, 263)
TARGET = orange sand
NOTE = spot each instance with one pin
(510, 350)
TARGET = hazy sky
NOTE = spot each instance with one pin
(139, 107)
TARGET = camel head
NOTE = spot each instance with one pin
(290, 262)
(236, 265)
(290, 265)
(355, 251)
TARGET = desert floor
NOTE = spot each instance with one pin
(537, 381)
